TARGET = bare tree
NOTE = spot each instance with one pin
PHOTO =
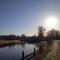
(41, 32)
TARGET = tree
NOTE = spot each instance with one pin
(53, 34)
(23, 36)
(41, 32)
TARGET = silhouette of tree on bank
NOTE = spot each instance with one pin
(53, 34)
(41, 32)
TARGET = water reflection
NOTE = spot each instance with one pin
(14, 51)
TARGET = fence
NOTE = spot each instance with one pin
(29, 56)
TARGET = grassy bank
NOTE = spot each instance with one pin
(10, 42)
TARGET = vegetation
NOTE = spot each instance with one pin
(51, 35)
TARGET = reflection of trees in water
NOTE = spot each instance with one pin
(11, 45)
(5, 46)
(23, 45)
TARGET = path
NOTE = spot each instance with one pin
(54, 54)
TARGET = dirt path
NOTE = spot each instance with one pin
(54, 54)
(40, 56)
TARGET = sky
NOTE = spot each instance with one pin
(24, 16)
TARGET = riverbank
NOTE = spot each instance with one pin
(10, 42)
(42, 55)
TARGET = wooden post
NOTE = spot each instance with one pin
(23, 55)
(34, 51)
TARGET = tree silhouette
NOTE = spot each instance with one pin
(41, 32)
(53, 34)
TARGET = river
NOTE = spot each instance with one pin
(14, 52)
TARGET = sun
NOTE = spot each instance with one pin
(51, 22)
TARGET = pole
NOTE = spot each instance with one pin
(34, 51)
(23, 55)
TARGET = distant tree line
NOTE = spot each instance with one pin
(11, 37)
(51, 35)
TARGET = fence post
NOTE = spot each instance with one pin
(23, 55)
(34, 51)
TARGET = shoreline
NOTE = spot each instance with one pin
(10, 42)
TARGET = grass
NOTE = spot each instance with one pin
(42, 55)
(5, 42)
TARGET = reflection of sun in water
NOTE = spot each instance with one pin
(51, 22)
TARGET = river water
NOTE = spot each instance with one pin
(14, 52)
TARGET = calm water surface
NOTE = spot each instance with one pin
(15, 52)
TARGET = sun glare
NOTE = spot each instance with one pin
(51, 22)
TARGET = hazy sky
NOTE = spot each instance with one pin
(24, 16)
